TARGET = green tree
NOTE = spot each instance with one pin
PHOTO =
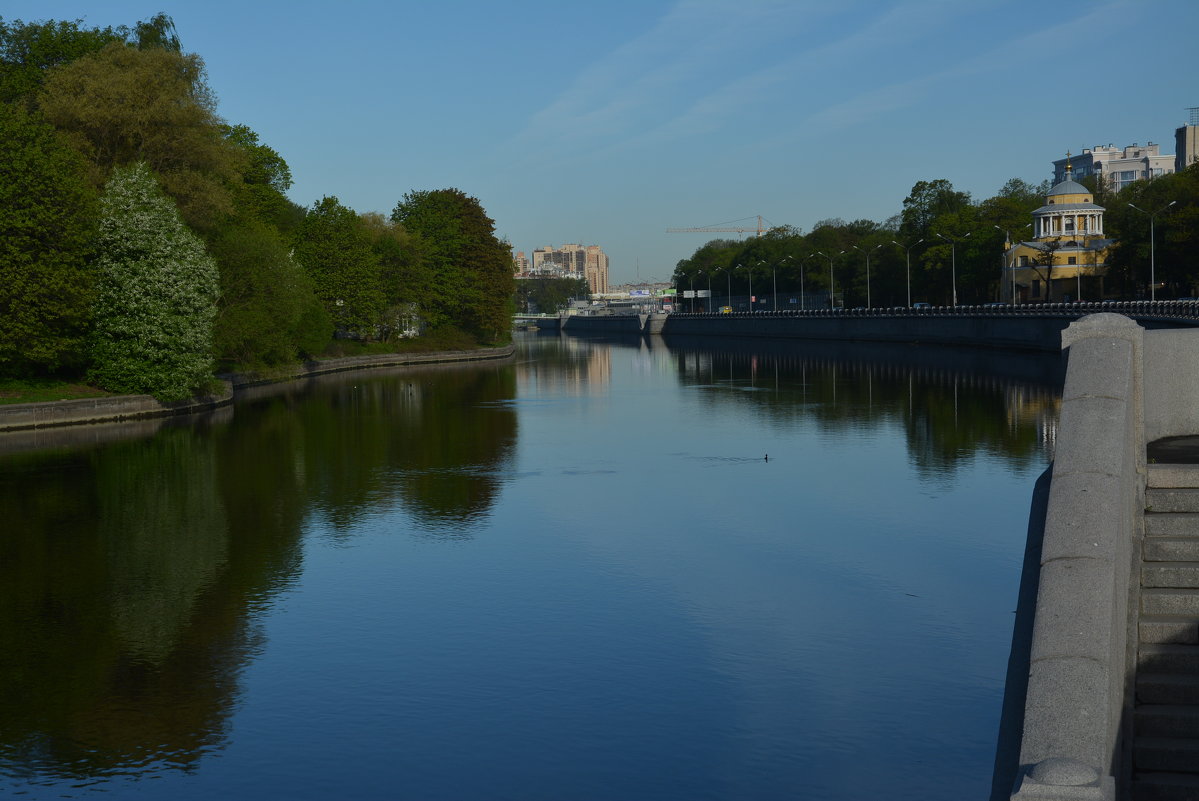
(334, 248)
(157, 293)
(29, 50)
(471, 268)
(265, 179)
(122, 106)
(266, 306)
(47, 224)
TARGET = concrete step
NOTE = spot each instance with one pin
(1170, 574)
(1170, 602)
(1172, 500)
(1161, 629)
(1165, 754)
(1165, 787)
(1171, 549)
(1167, 720)
(1168, 688)
(1168, 658)
(1177, 524)
(1172, 475)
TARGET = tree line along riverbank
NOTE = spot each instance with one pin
(147, 244)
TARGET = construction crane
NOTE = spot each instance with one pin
(721, 229)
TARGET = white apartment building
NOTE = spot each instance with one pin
(1118, 166)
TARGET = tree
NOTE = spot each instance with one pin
(265, 179)
(29, 50)
(124, 106)
(47, 224)
(157, 293)
(927, 201)
(470, 268)
(269, 312)
(334, 248)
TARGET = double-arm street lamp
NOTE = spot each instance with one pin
(774, 276)
(749, 270)
(953, 260)
(803, 301)
(867, 251)
(908, 265)
(1152, 246)
(830, 276)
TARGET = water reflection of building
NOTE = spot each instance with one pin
(572, 366)
(1035, 407)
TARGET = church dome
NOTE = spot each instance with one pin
(1068, 187)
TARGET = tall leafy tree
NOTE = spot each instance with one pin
(29, 50)
(334, 248)
(157, 293)
(47, 223)
(471, 268)
(123, 105)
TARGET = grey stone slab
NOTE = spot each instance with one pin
(1171, 549)
(1084, 517)
(1075, 608)
(1165, 754)
(1177, 629)
(1167, 688)
(1168, 658)
(1067, 712)
(1169, 602)
(1090, 437)
(1166, 787)
(1099, 366)
(1172, 475)
(1167, 720)
(1172, 500)
(1170, 574)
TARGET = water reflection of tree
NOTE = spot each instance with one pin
(951, 404)
(130, 573)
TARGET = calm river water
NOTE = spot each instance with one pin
(575, 575)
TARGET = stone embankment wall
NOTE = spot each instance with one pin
(29, 416)
(1124, 387)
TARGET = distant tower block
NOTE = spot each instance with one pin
(1186, 142)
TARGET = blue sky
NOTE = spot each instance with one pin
(606, 123)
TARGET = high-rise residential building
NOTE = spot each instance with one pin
(1117, 166)
(589, 263)
(520, 262)
(1186, 142)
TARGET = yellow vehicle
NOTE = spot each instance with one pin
(726, 309)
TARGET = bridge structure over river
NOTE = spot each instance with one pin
(1102, 698)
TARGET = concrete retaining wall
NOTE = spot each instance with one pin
(1075, 738)
(1023, 333)
(27, 416)
(1172, 371)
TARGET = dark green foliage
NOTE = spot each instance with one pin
(29, 50)
(264, 298)
(334, 248)
(470, 268)
(548, 295)
(47, 224)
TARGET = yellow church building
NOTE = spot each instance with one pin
(1067, 257)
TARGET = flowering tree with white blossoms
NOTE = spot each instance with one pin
(156, 296)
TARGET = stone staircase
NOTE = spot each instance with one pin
(1166, 717)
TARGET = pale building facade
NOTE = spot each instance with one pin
(1118, 167)
(1068, 255)
(587, 262)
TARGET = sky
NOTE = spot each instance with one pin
(607, 123)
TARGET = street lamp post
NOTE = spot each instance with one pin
(774, 276)
(693, 293)
(953, 260)
(1153, 246)
(908, 265)
(867, 252)
(803, 300)
(728, 274)
(1009, 264)
(830, 277)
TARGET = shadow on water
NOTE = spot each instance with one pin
(135, 556)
